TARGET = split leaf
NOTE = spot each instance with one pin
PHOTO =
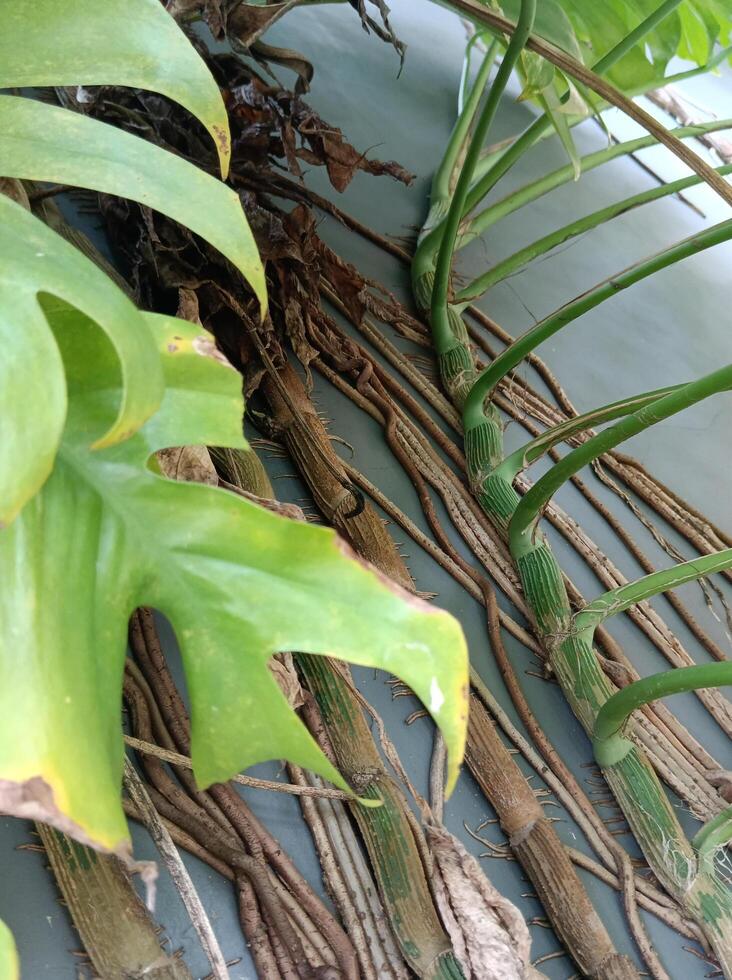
(118, 42)
(43, 142)
(34, 260)
(238, 583)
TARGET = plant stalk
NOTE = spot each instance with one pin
(608, 741)
(509, 359)
(527, 512)
(387, 831)
(113, 924)
(532, 451)
(514, 263)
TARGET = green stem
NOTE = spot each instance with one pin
(682, 76)
(532, 451)
(600, 105)
(442, 332)
(714, 834)
(563, 175)
(540, 125)
(513, 355)
(512, 154)
(116, 930)
(609, 744)
(637, 34)
(519, 259)
(532, 503)
(465, 87)
(618, 600)
(444, 175)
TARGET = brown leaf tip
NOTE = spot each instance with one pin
(33, 799)
(206, 347)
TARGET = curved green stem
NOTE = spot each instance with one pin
(519, 259)
(618, 600)
(529, 453)
(464, 85)
(682, 76)
(513, 355)
(532, 503)
(609, 743)
(713, 835)
(440, 194)
(508, 158)
(637, 34)
(563, 175)
(442, 332)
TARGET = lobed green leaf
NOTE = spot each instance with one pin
(43, 142)
(35, 261)
(238, 583)
(118, 42)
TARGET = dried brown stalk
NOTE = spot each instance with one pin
(178, 872)
(301, 933)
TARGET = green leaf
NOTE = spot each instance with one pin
(9, 966)
(43, 142)
(551, 102)
(589, 30)
(237, 582)
(117, 42)
(538, 75)
(695, 42)
(34, 260)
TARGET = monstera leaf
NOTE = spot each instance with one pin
(118, 42)
(43, 142)
(34, 260)
(134, 42)
(107, 533)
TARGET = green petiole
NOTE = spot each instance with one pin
(441, 191)
(532, 503)
(713, 835)
(523, 457)
(609, 743)
(513, 355)
(620, 599)
(442, 332)
(563, 175)
(519, 259)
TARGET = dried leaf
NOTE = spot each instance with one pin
(191, 463)
(493, 935)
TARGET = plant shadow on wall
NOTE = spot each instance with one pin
(147, 381)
